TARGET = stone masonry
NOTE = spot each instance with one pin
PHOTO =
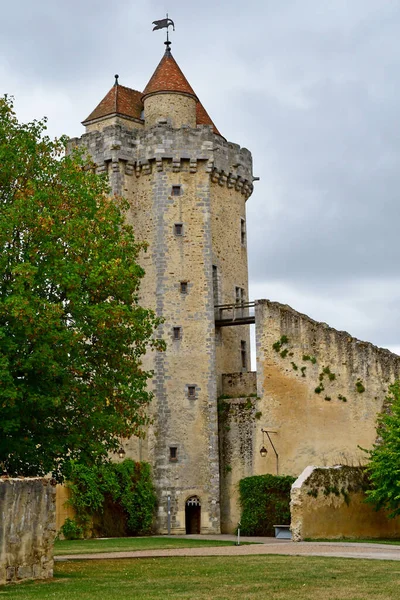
(184, 184)
(27, 529)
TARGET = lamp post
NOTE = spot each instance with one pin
(264, 451)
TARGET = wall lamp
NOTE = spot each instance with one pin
(264, 451)
(121, 452)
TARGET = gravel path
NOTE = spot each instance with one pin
(265, 546)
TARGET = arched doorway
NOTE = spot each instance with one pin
(193, 515)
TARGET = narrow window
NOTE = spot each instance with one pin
(191, 391)
(243, 232)
(178, 228)
(239, 295)
(176, 190)
(184, 287)
(243, 351)
(215, 284)
(173, 453)
(177, 333)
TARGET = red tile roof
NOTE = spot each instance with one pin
(203, 118)
(120, 100)
(168, 78)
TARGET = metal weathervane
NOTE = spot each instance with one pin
(162, 24)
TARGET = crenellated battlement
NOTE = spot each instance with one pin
(164, 148)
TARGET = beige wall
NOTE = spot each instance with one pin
(319, 512)
(63, 510)
(176, 109)
(27, 529)
(311, 428)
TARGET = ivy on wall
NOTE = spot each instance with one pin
(111, 499)
(265, 502)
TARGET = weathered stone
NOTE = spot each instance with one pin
(27, 529)
(329, 503)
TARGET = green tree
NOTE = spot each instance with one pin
(72, 333)
(384, 463)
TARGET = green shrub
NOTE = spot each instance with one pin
(265, 502)
(71, 530)
(124, 489)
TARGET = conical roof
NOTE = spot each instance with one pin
(168, 78)
(120, 100)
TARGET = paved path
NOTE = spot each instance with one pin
(264, 546)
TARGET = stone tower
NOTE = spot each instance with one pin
(187, 188)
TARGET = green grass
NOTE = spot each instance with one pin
(218, 578)
(94, 546)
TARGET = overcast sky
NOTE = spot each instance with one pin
(311, 87)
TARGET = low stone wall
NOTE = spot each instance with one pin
(329, 502)
(27, 528)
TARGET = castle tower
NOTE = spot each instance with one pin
(187, 188)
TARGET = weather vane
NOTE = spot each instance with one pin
(161, 24)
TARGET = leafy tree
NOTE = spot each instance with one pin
(384, 464)
(72, 333)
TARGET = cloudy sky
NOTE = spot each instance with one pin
(311, 87)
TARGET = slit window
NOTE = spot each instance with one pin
(239, 295)
(243, 232)
(184, 287)
(191, 391)
(243, 352)
(178, 229)
(173, 453)
(176, 190)
(177, 333)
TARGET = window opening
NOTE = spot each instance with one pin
(215, 284)
(243, 351)
(243, 232)
(239, 295)
(177, 332)
(173, 453)
(178, 229)
(191, 391)
(176, 190)
(184, 287)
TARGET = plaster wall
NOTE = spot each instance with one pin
(351, 377)
(330, 503)
(27, 529)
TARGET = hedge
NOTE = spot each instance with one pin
(265, 502)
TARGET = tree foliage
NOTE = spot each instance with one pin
(72, 333)
(127, 487)
(384, 463)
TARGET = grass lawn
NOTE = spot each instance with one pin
(127, 544)
(216, 578)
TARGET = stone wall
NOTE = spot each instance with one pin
(182, 185)
(27, 529)
(320, 390)
(237, 425)
(329, 502)
(238, 385)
